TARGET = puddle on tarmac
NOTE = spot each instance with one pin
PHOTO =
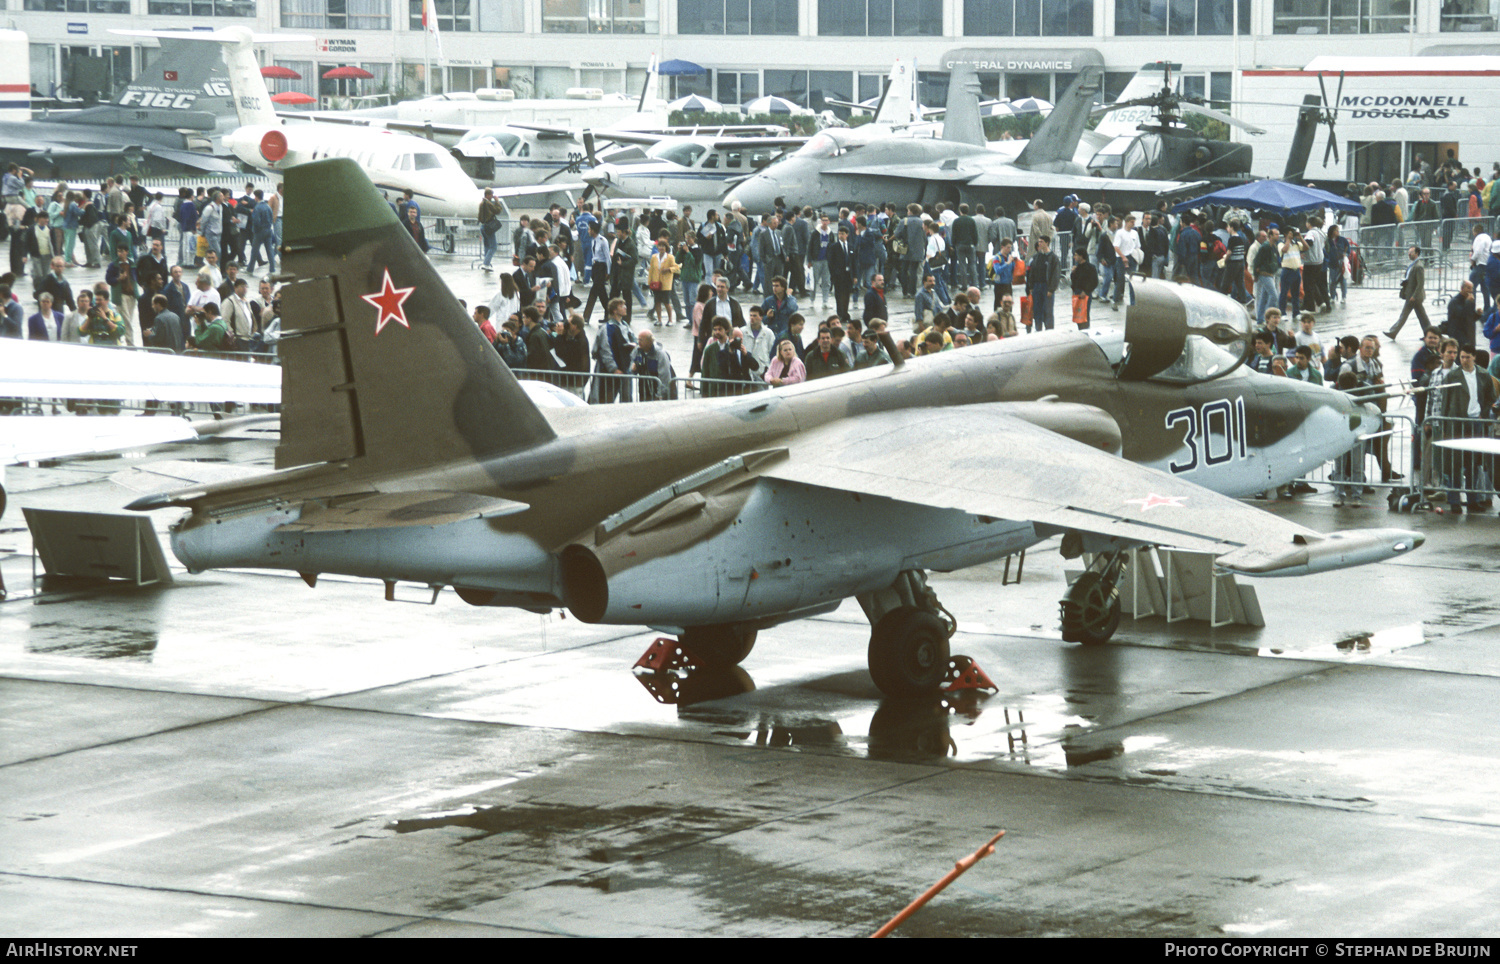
(91, 642)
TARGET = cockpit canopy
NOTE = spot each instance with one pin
(1184, 334)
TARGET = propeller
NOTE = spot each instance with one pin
(1330, 113)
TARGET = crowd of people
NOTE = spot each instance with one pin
(191, 297)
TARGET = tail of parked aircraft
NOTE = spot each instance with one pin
(899, 105)
(182, 82)
(961, 121)
(247, 89)
(380, 363)
(1052, 147)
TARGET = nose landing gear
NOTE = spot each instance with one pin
(1091, 609)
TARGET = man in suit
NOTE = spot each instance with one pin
(54, 284)
(154, 262)
(1468, 399)
(177, 293)
(797, 235)
(1413, 293)
(46, 324)
(914, 236)
(723, 306)
(841, 270)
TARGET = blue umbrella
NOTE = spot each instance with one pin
(1279, 196)
(677, 68)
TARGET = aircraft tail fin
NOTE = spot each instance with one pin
(899, 105)
(650, 88)
(1053, 145)
(961, 121)
(247, 88)
(183, 77)
(380, 363)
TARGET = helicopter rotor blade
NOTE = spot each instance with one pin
(1218, 115)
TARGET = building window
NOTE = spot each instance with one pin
(1028, 18)
(1179, 18)
(201, 8)
(600, 16)
(1469, 15)
(336, 14)
(737, 16)
(1342, 16)
(880, 18)
(79, 6)
(453, 16)
(736, 86)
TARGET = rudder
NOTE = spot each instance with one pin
(380, 363)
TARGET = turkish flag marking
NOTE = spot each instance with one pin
(169, 75)
(388, 302)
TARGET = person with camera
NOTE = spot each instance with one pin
(651, 361)
(726, 360)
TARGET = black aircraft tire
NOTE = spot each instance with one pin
(1090, 613)
(908, 652)
(723, 645)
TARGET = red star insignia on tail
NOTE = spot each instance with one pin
(388, 302)
(1153, 500)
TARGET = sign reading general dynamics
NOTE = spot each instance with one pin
(1010, 60)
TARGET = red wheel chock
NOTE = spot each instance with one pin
(664, 655)
(965, 674)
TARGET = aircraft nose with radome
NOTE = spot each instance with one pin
(410, 452)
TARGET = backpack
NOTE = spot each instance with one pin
(89, 217)
(1106, 249)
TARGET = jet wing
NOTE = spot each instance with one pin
(30, 369)
(984, 460)
(202, 162)
(30, 438)
(530, 189)
(1011, 176)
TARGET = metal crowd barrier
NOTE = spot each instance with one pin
(1451, 474)
(1384, 461)
(599, 387)
(257, 357)
(1385, 269)
(697, 387)
(1447, 238)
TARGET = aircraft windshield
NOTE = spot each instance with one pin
(426, 162)
(504, 140)
(685, 154)
(821, 144)
(1217, 336)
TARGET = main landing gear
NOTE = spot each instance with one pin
(719, 646)
(1091, 609)
(909, 636)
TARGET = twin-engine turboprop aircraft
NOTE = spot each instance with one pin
(410, 452)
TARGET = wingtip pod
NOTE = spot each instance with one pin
(1310, 554)
(343, 199)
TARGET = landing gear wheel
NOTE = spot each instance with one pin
(719, 646)
(908, 652)
(1091, 610)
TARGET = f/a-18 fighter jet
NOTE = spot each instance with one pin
(410, 452)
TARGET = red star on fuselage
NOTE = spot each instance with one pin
(1153, 500)
(388, 302)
